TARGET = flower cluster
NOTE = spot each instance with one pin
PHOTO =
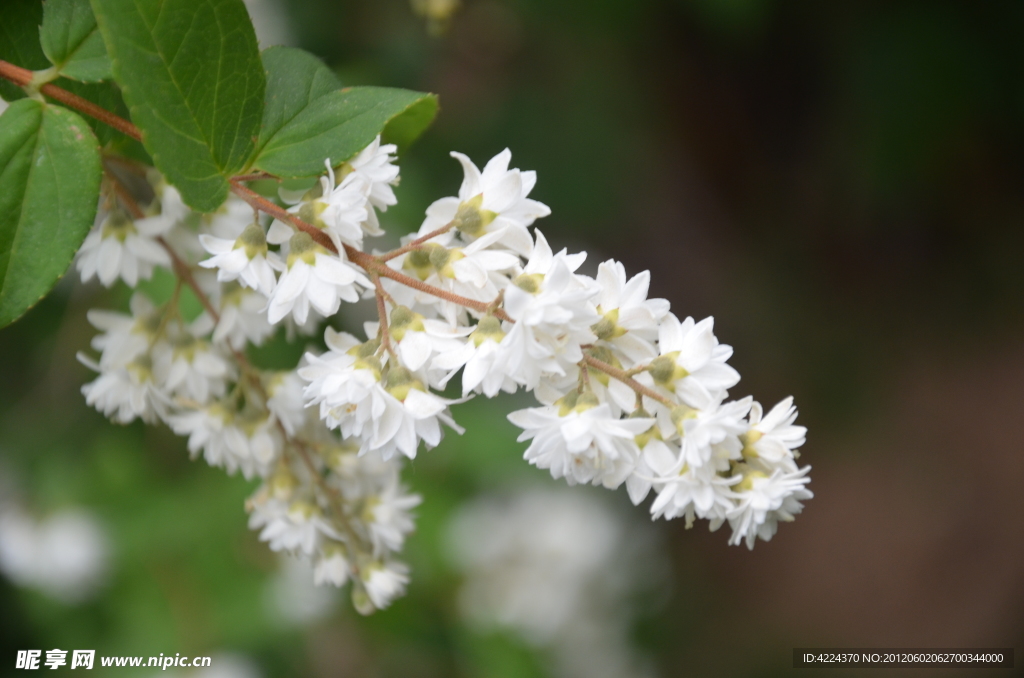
(628, 393)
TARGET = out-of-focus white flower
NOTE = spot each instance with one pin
(65, 556)
(122, 248)
(243, 318)
(559, 568)
(381, 584)
(331, 566)
(126, 393)
(388, 519)
(774, 439)
(765, 500)
(293, 598)
(189, 366)
(285, 400)
(296, 526)
(246, 441)
(488, 201)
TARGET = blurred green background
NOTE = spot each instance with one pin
(840, 184)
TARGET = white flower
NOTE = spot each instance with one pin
(125, 336)
(773, 439)
(188, 366)
(388, 519)
(762, 501)
(417, 339)
(246, 441)
(717, 426)
(316, 278)
(580, 440)
(295, 526)
(477, 271)
(483, 359)
(126, 393)
(341, 211)
(382, 583)
(553, 311)
(489, 201)
(397, 415)
(375, 164)
(243, 318)
(690, 491)
(244, 258)
(330, 565)
(342, 378)
(629, 320)
(693, 363)
(122, 248)
(285, 400)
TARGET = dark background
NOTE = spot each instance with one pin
(840, 184)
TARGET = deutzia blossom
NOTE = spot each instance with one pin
(381, 584)
(626, 392)
(773, 439)
(477, 271)
(579, 440)
(490, 200)
(693, 363)
(296, 526)
(764, 501)
(340, 210)
(122, 248)
(629, 320)
(417, 339)
(483, 358)
(189, 366)
(244, 258)
(553, 311)
(375, 164)
(126, 393)
(246, 441)
(243, 318)
(314, 277)
(331, 566)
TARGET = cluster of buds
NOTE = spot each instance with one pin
(628, 393)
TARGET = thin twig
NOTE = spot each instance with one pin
(629, 381)
(410, 246)
(382, 314)
(23, 77)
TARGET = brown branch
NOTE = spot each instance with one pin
(182, 270)
(23, 78)
(382, 314)
(255, 176)
(410, 246)
(629, 381)
(368, 262)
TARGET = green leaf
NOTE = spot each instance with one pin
(19, 40)
(407, 126)
(191, 75)
(49, 187)
(295, 78)
(72, 41)
(337, 125)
